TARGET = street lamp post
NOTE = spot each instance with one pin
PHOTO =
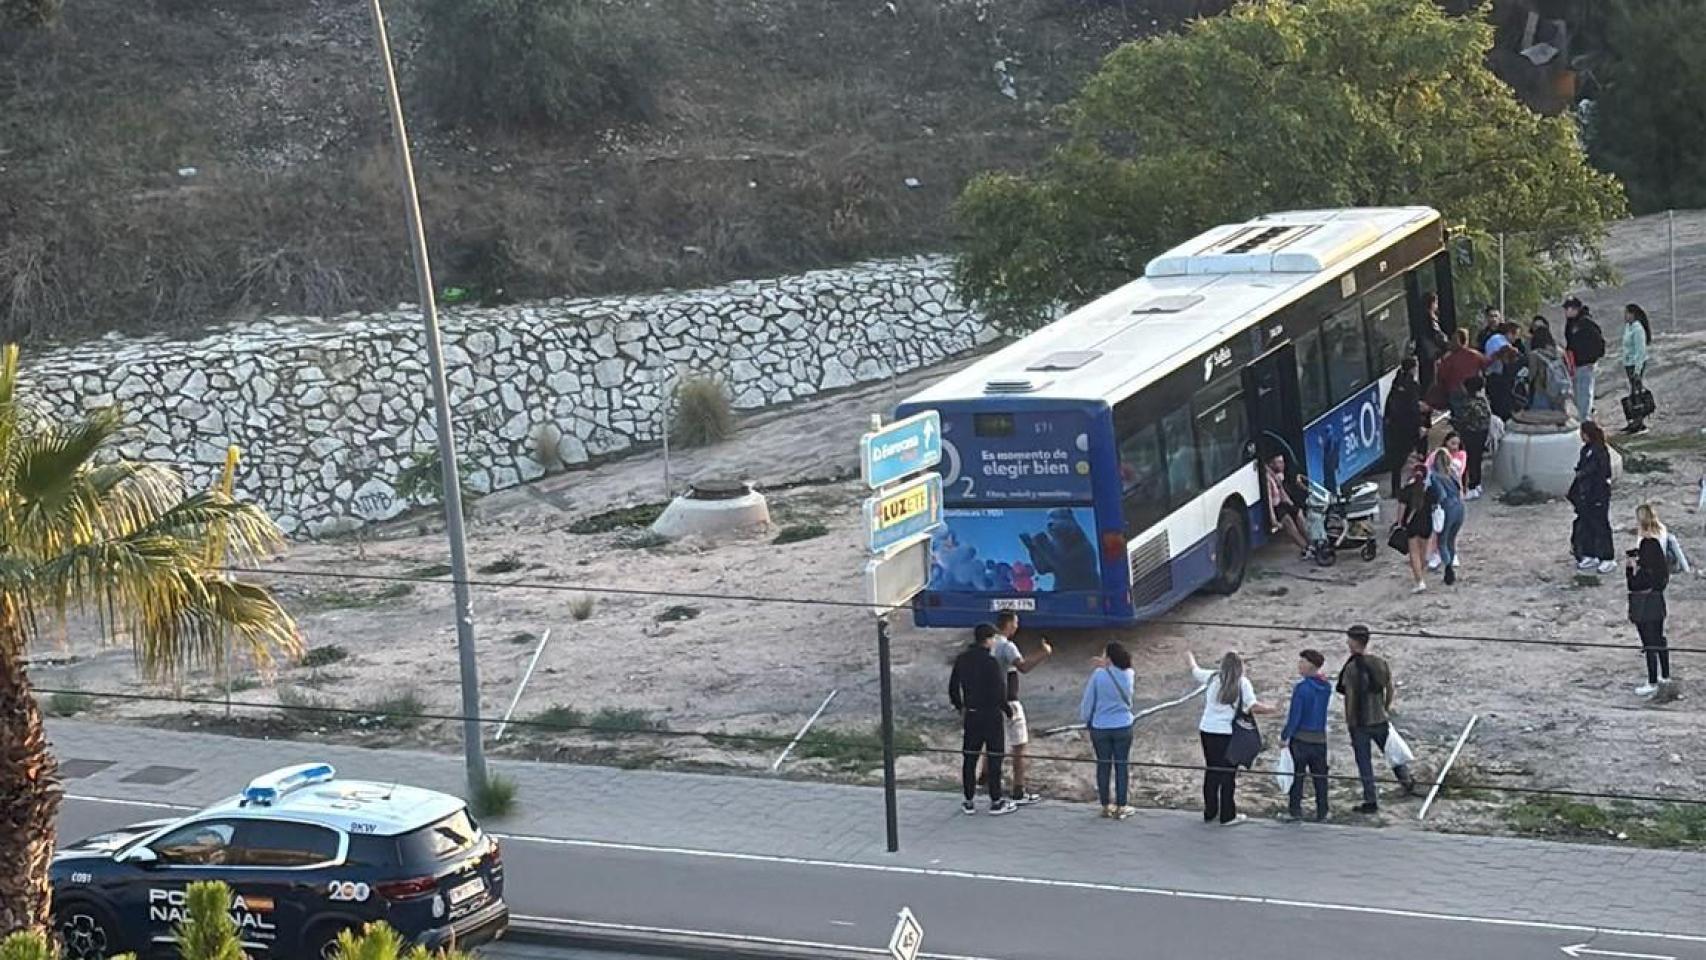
(473, 750)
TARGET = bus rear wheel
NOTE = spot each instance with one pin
(1231, 552)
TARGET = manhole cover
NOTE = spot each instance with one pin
(157, 776)
(75, 769)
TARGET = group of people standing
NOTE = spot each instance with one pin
(983, 687)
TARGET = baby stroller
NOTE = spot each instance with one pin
(1345, 520)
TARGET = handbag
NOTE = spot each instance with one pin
(1399, 539)
(1246, 742)
(1646, 606)
(1639, 405)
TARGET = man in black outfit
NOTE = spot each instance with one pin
(978, 690)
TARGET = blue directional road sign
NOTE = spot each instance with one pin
(903, 512)
(901, 449)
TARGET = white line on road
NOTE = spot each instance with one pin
(895, 870)
(727, 937)
(1583, 950)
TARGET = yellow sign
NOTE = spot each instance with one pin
(903, 506)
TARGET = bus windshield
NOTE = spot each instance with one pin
(1019, 517)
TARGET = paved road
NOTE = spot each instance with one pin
(755, 898)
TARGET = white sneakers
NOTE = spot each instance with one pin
(1587, 563)
(1433, 561)
(1420, 587)
(1646, 689)
(1607, 566)
(1473, 494)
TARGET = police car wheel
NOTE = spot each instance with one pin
(322, 941)
(85, 932)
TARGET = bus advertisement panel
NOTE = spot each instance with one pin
(1020, 520)
(1348, 441)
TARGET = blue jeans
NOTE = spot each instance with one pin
(1113, 751)
(1454, 514)
(1584, 392)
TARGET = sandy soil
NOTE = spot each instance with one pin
(1551, 716)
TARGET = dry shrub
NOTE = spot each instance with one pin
(703, 414)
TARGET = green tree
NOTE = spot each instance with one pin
(1279, 105)
(207, 931)
(1649, 119)
(567, 63)
(378, 941)
(121, 543)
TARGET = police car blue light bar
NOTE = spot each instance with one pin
(265, 789)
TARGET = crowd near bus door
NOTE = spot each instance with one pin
(1271, 396)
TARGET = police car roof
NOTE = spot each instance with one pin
(357, 806)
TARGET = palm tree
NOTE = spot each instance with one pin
(123, 544)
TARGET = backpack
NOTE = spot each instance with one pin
(1473, 415)
(1592, 341)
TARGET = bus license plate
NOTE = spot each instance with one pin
(464, 892)
(1013, 603)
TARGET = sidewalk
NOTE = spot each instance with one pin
(1611, 887)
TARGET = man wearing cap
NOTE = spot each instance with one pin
(1586, 344)
(1305, 732)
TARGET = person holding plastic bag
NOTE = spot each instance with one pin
(1304, 738)
(1365, 681)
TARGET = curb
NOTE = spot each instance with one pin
(677, 945)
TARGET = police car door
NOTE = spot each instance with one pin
(153, 903)
(287, 866)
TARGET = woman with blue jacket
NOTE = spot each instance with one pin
(1105, 709)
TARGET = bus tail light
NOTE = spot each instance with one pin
(1113, 547)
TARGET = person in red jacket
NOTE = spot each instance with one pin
(1457, 366)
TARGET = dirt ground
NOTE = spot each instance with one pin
(1551, 716)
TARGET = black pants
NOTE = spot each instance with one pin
(1591, 534)
(1501, 389)
(985, 733)
(1310, 757)
(1634, 388)
(1657, 649)
(1475, 445)
(1220, 781)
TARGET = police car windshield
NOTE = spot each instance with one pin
(448, 837)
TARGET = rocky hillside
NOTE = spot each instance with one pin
(167, 163)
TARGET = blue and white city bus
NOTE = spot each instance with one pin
(1105, 467)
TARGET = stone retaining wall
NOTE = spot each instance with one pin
(327, 413)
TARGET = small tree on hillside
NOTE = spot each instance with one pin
(16, 14)
(565, 63)
(1276, 106)
(1649, 119)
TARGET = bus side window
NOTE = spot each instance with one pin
(1143, 479)
(1388, 329)
(1312, 376)
(1347, 353)
(1183, 481)
(1220, 438)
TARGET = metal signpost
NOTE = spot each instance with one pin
(899, 521)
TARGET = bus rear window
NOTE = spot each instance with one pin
(445, 839)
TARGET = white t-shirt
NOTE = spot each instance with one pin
(1217, 716)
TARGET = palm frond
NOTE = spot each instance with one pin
(48, 502)
(240, 532)
(130, 495)
(177, 614)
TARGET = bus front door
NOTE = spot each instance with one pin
(1275, 408)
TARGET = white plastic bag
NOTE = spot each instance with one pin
(1398, 753)
(1284, 769)
(1439, 519)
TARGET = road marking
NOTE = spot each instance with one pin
(896, 870)
(1583, 950)
(727, 937)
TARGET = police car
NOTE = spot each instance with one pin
(305, 855)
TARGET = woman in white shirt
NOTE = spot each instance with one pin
(1229, 692)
